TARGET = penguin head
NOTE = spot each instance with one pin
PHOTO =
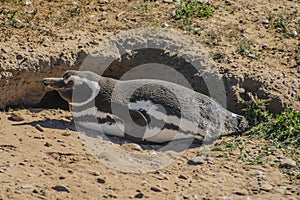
(76, 87)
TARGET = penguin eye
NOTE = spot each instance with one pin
(66, 76)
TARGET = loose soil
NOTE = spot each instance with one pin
(253, 43)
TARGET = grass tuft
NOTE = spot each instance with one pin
(188, 9)
(256, 111)
(283, 130)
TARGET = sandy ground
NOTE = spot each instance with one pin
(42, 157)
(42, 152)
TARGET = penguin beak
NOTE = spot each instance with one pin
(56, 83)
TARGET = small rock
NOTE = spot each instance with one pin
(100, 180)
(47, 144)
(287, 192)
(185, 197)
(26, 186)
(240, 193)
(287, 163)
(95, 174)
(265, 21)
(136, 147)
(139, 195)
(266, 187)
(168, 1)
(294, 33)
(38, 127)
(229, 61)
(255, 191)
(61, 188)
(155, 189)
(251, 55)
(2, 170)
(203, 1)
(35, 191)
(19, 57)
(196, 161)
(182, 176)
(226, 166)
(16, 116)
(173, 14)
(28, 3)
(264, 46)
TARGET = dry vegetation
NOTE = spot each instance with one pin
(258, 38)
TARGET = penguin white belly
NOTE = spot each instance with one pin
(115, 129)
(160, 136)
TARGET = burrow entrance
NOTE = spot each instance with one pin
(128, 62)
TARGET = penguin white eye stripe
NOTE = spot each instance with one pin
(95, 91)
(76, 79)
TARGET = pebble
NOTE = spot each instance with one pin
(139, 195)
(196, 161)
(95, 174)
(265, 21)
(168, 1)
(229, 61)
(136, 147)
(264, 46)
(266, 187)
(155, 189)
(173, 14)
(19, 57)
(240, 193)
(26, 186)
(186, 197)
(251, 55)
(203, 1)
(61, 188)
(35, 191)
(182, 176)
(100, 180)
(47, 144)
(287, 163)
(39, 128)
(226, 166)
(16, 116)
(2, 170)
(294, 33)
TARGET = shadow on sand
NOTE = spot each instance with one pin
(66, 125)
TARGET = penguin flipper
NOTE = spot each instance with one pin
(138, 117)
(136, 126)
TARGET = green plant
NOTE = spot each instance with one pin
(188, 9)
(244, 47)
(256, 111)
(281, 23)
(9, 110)
(144, 7)
(283, 130)
(74, 10)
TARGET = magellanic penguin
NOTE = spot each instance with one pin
(143, 110)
